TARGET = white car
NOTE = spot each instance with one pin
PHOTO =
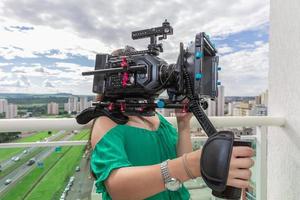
(17, 158)
(7, 181)
(25, 151)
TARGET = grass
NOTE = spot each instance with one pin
(49, 181)
(10, 152)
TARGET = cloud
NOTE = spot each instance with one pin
(111, 22)
(225, 49)
(53, 40)
(47, 84)
(246, 71)
(20, 81)
(18, 28)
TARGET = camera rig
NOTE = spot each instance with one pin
(131, 81)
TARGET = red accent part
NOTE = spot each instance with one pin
(124, 62)
(123, 106)
(141, 109)
(125, 79)
(110, 106)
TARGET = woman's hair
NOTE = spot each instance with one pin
(88, 148)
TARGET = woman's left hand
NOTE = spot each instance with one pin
(183, 118)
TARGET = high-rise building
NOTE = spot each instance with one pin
(12, 111)
(72, 103)
(3, 105)
(258, 99)
(212, 105)
(83, 103)
(220, 101)
(264, 98)
(53, 108)
(241, 109)
(66, 107)
(259, 110)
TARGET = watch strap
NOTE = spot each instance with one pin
(165, 171)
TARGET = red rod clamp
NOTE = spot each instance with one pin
(125, 77)
(110, 106)
(123, 106)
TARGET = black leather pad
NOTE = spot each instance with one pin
(215, 160)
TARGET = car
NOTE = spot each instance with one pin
(31, 162)
(72, 178)
(17, 158)
(25, 151)
(67, 188)
(7, 181)
(77, 169)
(13, 158)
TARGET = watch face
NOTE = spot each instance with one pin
(173, 185)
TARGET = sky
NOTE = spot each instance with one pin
(46, 45)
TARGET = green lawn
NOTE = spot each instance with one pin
(10, 152)
(49, 181)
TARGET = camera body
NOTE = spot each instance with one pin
(139, 77)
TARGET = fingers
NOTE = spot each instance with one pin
(244, 174)
(242, 151)
(241, 163)
(238, 183)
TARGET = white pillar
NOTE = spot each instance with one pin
(284, 99)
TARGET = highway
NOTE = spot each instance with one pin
(7, 163)
(83, 183)
(24, 169)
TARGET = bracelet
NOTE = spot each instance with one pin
(187, 170)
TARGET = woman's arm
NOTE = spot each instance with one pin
(137, 183)
(145, 181)
(184, 144)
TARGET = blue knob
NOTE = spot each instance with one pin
(199, 54)
(160, 103)
(219, 83)
(219, 68)
(198, 76)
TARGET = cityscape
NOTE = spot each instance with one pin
(72, 105)
(234, 57)
(18, 106)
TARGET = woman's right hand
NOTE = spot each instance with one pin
(239, 171)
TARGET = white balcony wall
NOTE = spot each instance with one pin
(283, 157)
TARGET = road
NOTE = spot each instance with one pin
(83, 183)
(7, 163)
(24, 169)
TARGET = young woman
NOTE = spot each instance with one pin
(131, 161)
(126, 159)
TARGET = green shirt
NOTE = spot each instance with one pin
(125, 145)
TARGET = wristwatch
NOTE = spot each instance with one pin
(171, 184)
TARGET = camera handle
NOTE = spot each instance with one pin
(216, 152)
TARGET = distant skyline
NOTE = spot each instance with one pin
(45, 45)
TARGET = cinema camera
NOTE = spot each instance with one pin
(131, 82)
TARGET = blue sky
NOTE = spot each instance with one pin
(45, 45)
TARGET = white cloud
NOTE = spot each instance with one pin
(47, 84)
(245, 72)
(72, 28)
(225, 49)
